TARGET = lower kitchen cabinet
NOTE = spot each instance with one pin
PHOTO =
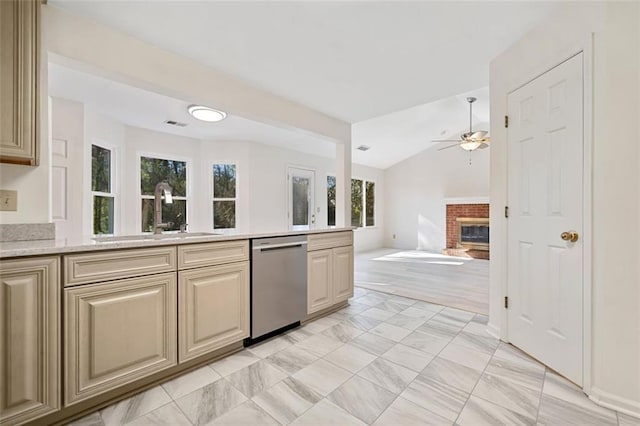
(342, 273)
(213, 308)
(117, 332)
(29, 339)
(329, 277)
(319, 280)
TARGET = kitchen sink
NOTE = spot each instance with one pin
(151, 237)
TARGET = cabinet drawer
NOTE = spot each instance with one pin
(329, 240)
(209, 254)
(96, 267)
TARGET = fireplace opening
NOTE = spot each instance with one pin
(473, 233)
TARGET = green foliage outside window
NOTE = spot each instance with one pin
(154, 170)
(100, 169)
(300, 192)
(356, 202)
(102, 215)
(224, 181)
(101, 182)
(224, 194)
(331, 200)
(224, 214)
(174, 214)
(370, 203)
(362, 202)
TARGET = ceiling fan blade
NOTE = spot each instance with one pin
(483, 146)
(479, 135)
(446, 140)
(447, 147)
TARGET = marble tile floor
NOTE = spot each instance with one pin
(384, 360)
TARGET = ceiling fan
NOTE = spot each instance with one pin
(471, 140)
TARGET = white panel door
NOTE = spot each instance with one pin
(545, 279)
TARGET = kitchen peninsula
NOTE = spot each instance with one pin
(96, 320)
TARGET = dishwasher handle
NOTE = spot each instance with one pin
(280, 246)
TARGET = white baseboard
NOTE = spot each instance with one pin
(493, 331)
(614, 402)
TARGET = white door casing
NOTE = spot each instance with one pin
(299, 179)
(545, 195)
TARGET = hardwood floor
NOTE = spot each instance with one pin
(445, 280)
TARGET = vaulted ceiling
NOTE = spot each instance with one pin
(351, 60)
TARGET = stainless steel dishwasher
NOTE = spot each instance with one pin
(278, 284)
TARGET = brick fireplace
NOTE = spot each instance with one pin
(474, 218)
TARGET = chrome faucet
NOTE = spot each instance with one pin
(161, 187)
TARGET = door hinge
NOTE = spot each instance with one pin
(506, 211)
(506, 121)
(506, 302)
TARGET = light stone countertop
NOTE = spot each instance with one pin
(88, 244)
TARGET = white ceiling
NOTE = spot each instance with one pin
(141, 108)
(351, 60)
(400, 135)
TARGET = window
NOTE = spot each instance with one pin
(101, 189)
(331, 200)
(370, 202)
(153, 171)
(224, 196)
(356, 202)
(362, 202)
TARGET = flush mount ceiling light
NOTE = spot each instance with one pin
(204, 113)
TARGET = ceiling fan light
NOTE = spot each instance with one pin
(470, 145)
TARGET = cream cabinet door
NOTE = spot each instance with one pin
(118, 332)
(29, 339)
(342, 273)
(319, 280)
(213, 308)
(19, 62)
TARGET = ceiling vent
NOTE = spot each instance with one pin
(363, 148)
(175, 123)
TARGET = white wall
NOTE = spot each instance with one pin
(613, 357)
(373, 237)
(416, 188)
(71, 39)
(261, 170)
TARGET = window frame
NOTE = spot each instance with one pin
(326, 189)
(214, 198)
(364, 201)
(113, 150)
(188, 198)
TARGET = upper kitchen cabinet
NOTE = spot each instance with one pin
(19, 81)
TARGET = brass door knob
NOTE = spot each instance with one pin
(571, 236)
